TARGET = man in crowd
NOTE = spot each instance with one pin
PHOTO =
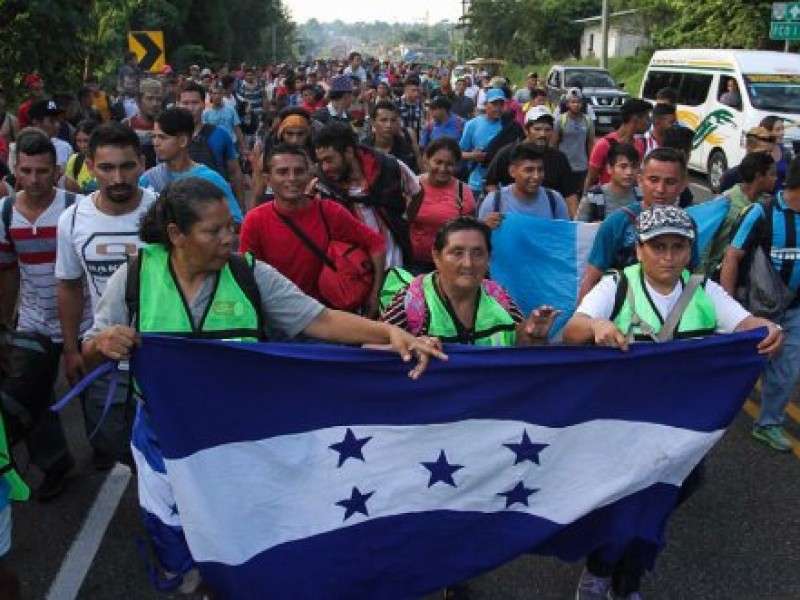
(373, 184)
(389, 136)
(757, 139)
(776, 228)
(526, 195)
(523, 95)
(212, 145)
(224, 117)
(252, 92)
(340, 96)
(441, 122)
(27, 280)
(463, 105)
(268, 230)
(172, 137)
(128, 78)
(664, 117)
(35, 86)
(355, 68)
(96, 236)
(662, 179)
(411, 109)
(44, 114)
(601, 201)
(478, 134)
(557, 172)
(635, 122)
(149, 106)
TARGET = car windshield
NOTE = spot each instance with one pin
(774, 93)
(589, 79)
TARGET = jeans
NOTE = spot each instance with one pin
(781, 373)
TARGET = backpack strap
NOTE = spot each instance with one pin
(303, 237)
(5, 215)
(667, 331)
(636, 320)
(496, 201)
(132, 287)
(460, 198)
(243, 268)
(77, 165)
(69, 199)
(597, 203)
(621, 293)
(551, 198)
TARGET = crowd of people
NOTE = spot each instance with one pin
(363, 196)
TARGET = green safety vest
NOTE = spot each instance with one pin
(230, 315)
(699, 318)
(18, 489)
(493, 325)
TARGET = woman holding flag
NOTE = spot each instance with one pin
(188, 282)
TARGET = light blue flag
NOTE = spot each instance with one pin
(542, 261)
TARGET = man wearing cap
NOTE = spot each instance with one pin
(635, 122)
(149, 107)
(657, 299)
(340, 96)
(664, 117)
(776, 228)
(35, 87)
(757, 139)
(661, 181)
(478, 134)
(194, 73)
(44, 115)
(441, 122)
(523, 95)
(557, 174)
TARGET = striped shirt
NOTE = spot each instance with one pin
(32, 248)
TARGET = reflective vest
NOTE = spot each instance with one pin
(699, 318)
(162, 308)
(17, 488)
(493, 325)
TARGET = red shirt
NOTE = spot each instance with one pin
(439, 205)
(600, 152)
(271, 240)
(22, 115)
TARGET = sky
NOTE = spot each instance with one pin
(352, 11)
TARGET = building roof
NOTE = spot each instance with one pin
(597, 19)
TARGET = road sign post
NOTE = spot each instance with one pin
(149, 49)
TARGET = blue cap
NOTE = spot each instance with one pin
(494, 95)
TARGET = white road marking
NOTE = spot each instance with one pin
(82, 552)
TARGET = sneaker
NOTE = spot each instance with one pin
(773, 436)
(54, 484)
(592, 587)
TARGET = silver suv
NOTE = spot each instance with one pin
(600, 91)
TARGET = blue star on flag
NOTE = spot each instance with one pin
(349, 447)
(526, 450)
(357, 503)
(518, 494)
(441, 470)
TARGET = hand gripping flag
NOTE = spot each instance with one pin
(304, 471)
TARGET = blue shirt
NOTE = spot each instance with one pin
(202, 171)
(223, 117)
(613, 246)
(784, 258)
(539, 207)
(478, 132)
(221, 145)
(453, 127)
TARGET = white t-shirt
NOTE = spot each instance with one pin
(95, 244)
(599, 303)
(63, 152)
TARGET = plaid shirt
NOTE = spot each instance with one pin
(411, 115)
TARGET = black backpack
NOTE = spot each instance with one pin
(201, 152)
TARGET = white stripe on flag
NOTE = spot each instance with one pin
(287, 488)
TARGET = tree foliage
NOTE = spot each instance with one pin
(64, 40)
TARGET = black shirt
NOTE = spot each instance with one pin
(557, 172)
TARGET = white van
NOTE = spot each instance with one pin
(768, 83)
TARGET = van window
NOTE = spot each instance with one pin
(658, 80)
(774, 92)
(694, 89)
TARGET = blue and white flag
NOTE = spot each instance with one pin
(303, 471)
(542, 261)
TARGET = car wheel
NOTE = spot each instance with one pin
(717, 165)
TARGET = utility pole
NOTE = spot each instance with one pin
(604, 36)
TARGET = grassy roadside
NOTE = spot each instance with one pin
(627, 71)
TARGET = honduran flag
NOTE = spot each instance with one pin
(542, 261)
(315, 471)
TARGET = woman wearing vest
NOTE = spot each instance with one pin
(188, 282)
(654, 300)
(77, 177)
